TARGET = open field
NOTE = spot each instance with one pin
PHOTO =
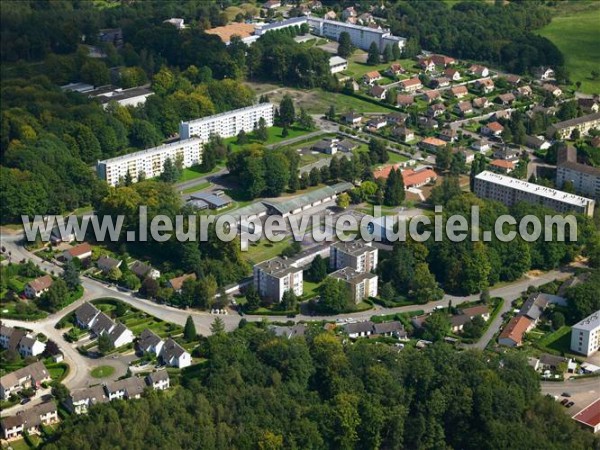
(102, 371)
(264, 249)
(275, 137)
(576, 32)
(559, 341)
(197, 187)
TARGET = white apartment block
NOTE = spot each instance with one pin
(275, 276)
(361, 37)
(358, 255)
(584, 124)
(585, 179)
(229, 123)
(150, 162)
(585, 335)
(362, 284)
(509, 191)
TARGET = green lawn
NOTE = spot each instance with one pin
(197, 187)
(559, 341)
(343, 103)
(102, 371)
(396, 158)
(275, 137)
(577, 35)
(264, 249)
(191, 173)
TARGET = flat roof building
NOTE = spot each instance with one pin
(337, 64)
(509, 191)
(362, 284)
(585, 179)
(229, 123)
(150, 162)
(275, 276)
(358, 255)
(585, 335)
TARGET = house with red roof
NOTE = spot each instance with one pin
(411, 85)
(81, 251)
(417, 178)
(502, 166)
(432, 144)
(442, 60)
(492, 129)
(371, 77)
(459, 91)
(512, 334)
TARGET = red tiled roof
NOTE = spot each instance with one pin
(412, 178)
(384, 172)
(373, 74)
(405, 99)
(495, 126)
(503, 164)
(515, 329)
(589, 415)
(434, 141)
(80, 249)
(411, 82)
(442, 60)
(460, 90)
(41, 283)
(177, 283)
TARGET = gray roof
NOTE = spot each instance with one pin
(300, 201)
(132, 386)
(211, 199)
(31, 417)
(388, 327)
(117, 331)
(86, 312)
(459, 320)
(108, 262)
(358, 327)
(148, 339)
(140, 269)
(591, 322)
(552, 360)
(355, 247)
(533, 307)
(351, 276)
(36, 371)
(289, 332)
(278, 267)
(171, 349)
(155, 377)
(95, 394)
(102, 324)
(576, 121)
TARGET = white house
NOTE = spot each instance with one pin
(80, 400)
(81, 251)
(159, 380)
(175, 355)
(29, 346)
(337, 64)
(37, 287)
(85, 315)
(150, 342)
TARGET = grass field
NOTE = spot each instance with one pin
(264, 249)
(559, 341)
(102, 371)
(577, 34)
(197, 187)
(275, 137)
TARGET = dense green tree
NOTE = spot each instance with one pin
(56, 296)
(373, 56)
(189, 330)
(218, 326)
(71, 275)
(317, 270)
(436, 326)
(105, 344)
(394, 189)
(287, 112)
(334, 296)
(345, 45)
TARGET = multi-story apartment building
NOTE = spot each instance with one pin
(585, 335)
(358, 255)
(150, 162)
(229, 123)
(509, 191)
(361, 37)
(362, 284)
(585, 179)
(584, 124)
(275, 276)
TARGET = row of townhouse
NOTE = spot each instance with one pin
(352, 261)
(17, 340)
(188, 150)
(168, 351)
(88, 317)
(28, 377)
(80, 401)
(29, 421)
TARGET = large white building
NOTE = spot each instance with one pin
(151, 161)
(361, 37)
(362, 284)
(585, 335)
(509, 191)
(358, 255)
(229, 123)
(585, 179)
(275, 276)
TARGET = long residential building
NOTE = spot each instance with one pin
(361, 37)
(585, 179)
(509, 191)
(229, 123)
(150, 163)
(585, 335)
(584, 124)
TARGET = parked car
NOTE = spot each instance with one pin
(566, 394)
(570, 404)
(25, 400)
(564, 402)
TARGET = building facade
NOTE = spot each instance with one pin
(585, 335)
(358, 255)
(362, 285)
(585, 179)
(509, 191)
(584, 124)
(150, 162)
(275, 276)
(229, 123)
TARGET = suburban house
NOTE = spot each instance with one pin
(427, 65)
(481, 145)
(175, 355)
(436, 110)
(346, 145)
(371, 77)
(492, 129)
(35, 288)
(431, 95)
(404, 100)
(485, 85)
(439, 82)
(31, 376)
(143, 270)
(368, 328)
(448, 134)
(377, 92)
(358, 255)
(506, 99)
(417, 178)
(589, 105)
(479, 71)
(404, 134)
(507, 153)
(150, 342)
(463, 108)
(553, 89)
(337, 64)
(106, 263)
(397, 118)
(384, 171)
(177, 283)
(362, 285)
(297, 330)
(524, 91)
(85, 315)
(20, 341)
(432, 144)
(459, 91)
(158, 380)
(512, 334)
(513, 79)
(442, 60)
(394, 70)
(120, 335)
(465, 315)
(81, 252)
(502, 166)
(453, 74)
(411, 85)
(428, 123)
(481, 103)
(537, 143)
(544, 73)
(352, 118)
(29, 421)
(328, 146)
(125, 389)
(80, 400)
(349, 12)
(377, 123)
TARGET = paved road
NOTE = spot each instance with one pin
(583, 392)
